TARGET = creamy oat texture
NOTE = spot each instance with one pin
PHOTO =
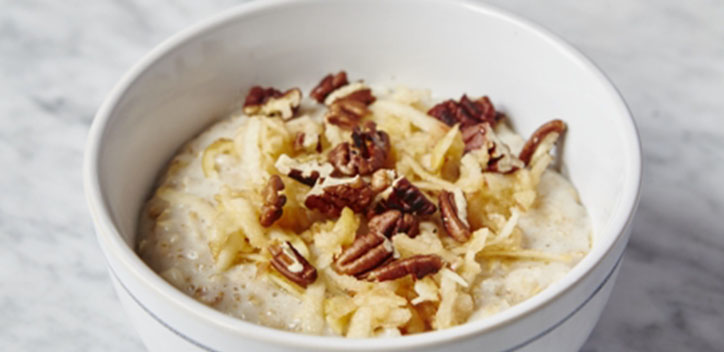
(200, 229)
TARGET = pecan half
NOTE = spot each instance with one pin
(271, 102)
(328, 84)
(365, 253)
(455, 226)
(393, 222)
(332, 195)
(346, 113)
(466, 112)
(288, 262)
(366, 154)
(418, 266)
(274, 201)
(405, 197)
(545, 136)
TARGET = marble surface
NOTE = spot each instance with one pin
(59, 58)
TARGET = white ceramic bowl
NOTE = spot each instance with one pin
(452, 47)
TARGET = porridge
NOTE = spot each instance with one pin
(363, 211)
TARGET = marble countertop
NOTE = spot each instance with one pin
(58, 59)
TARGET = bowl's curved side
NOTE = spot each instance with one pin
(177, 61)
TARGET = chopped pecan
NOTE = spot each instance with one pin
(271, 102)
(346, 113)
(393, 222)
(366, 154)
(455, 226)
(363, 95)
(288, 262)
(306, 173)
(466, 112)
(545, 136)
(365, 253)
(274, 201)
(405, 197)
(500, 158)
(328, 84)
(418, 266)
(332, 195)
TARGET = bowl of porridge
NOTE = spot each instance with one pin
(422, 175)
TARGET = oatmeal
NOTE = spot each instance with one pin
(363, 211)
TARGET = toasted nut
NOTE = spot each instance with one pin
(545, 136)
(288, 262)
(332, 195)
(271, 102)
(393, 222)
(500, 158)
(456, 227)
(328, 84)
(365, 253)
(367, 153)
(346, 113)
(418, 266)
(274, 201)
(466, 112)
(306, 173)
(405, 197)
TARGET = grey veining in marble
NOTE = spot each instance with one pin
(59, 58)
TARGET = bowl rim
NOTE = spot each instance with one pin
(114, 246)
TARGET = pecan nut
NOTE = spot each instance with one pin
(274, 201)
(405, 197)
(364, 254)
(393, 222)
(465, 112)
(500, 158)
(327, 85)
(271, 102)
(418, 266)
(455, 225)
(332, 195)
(288, 262)
(306, 173)
(545, 136)
(366, 154)
(346, 113)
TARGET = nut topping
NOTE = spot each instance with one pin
(271, 102)
(405, 197)
(365, 253)
(306, 173)
(500, 158)
(346, 113)
(288, 262)
(455, 226)
(367, 152)
(418, 266)
(393, 222)
(545, 136)
(466, 112)
(274, 201)
(327, 85)
(333, 194)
